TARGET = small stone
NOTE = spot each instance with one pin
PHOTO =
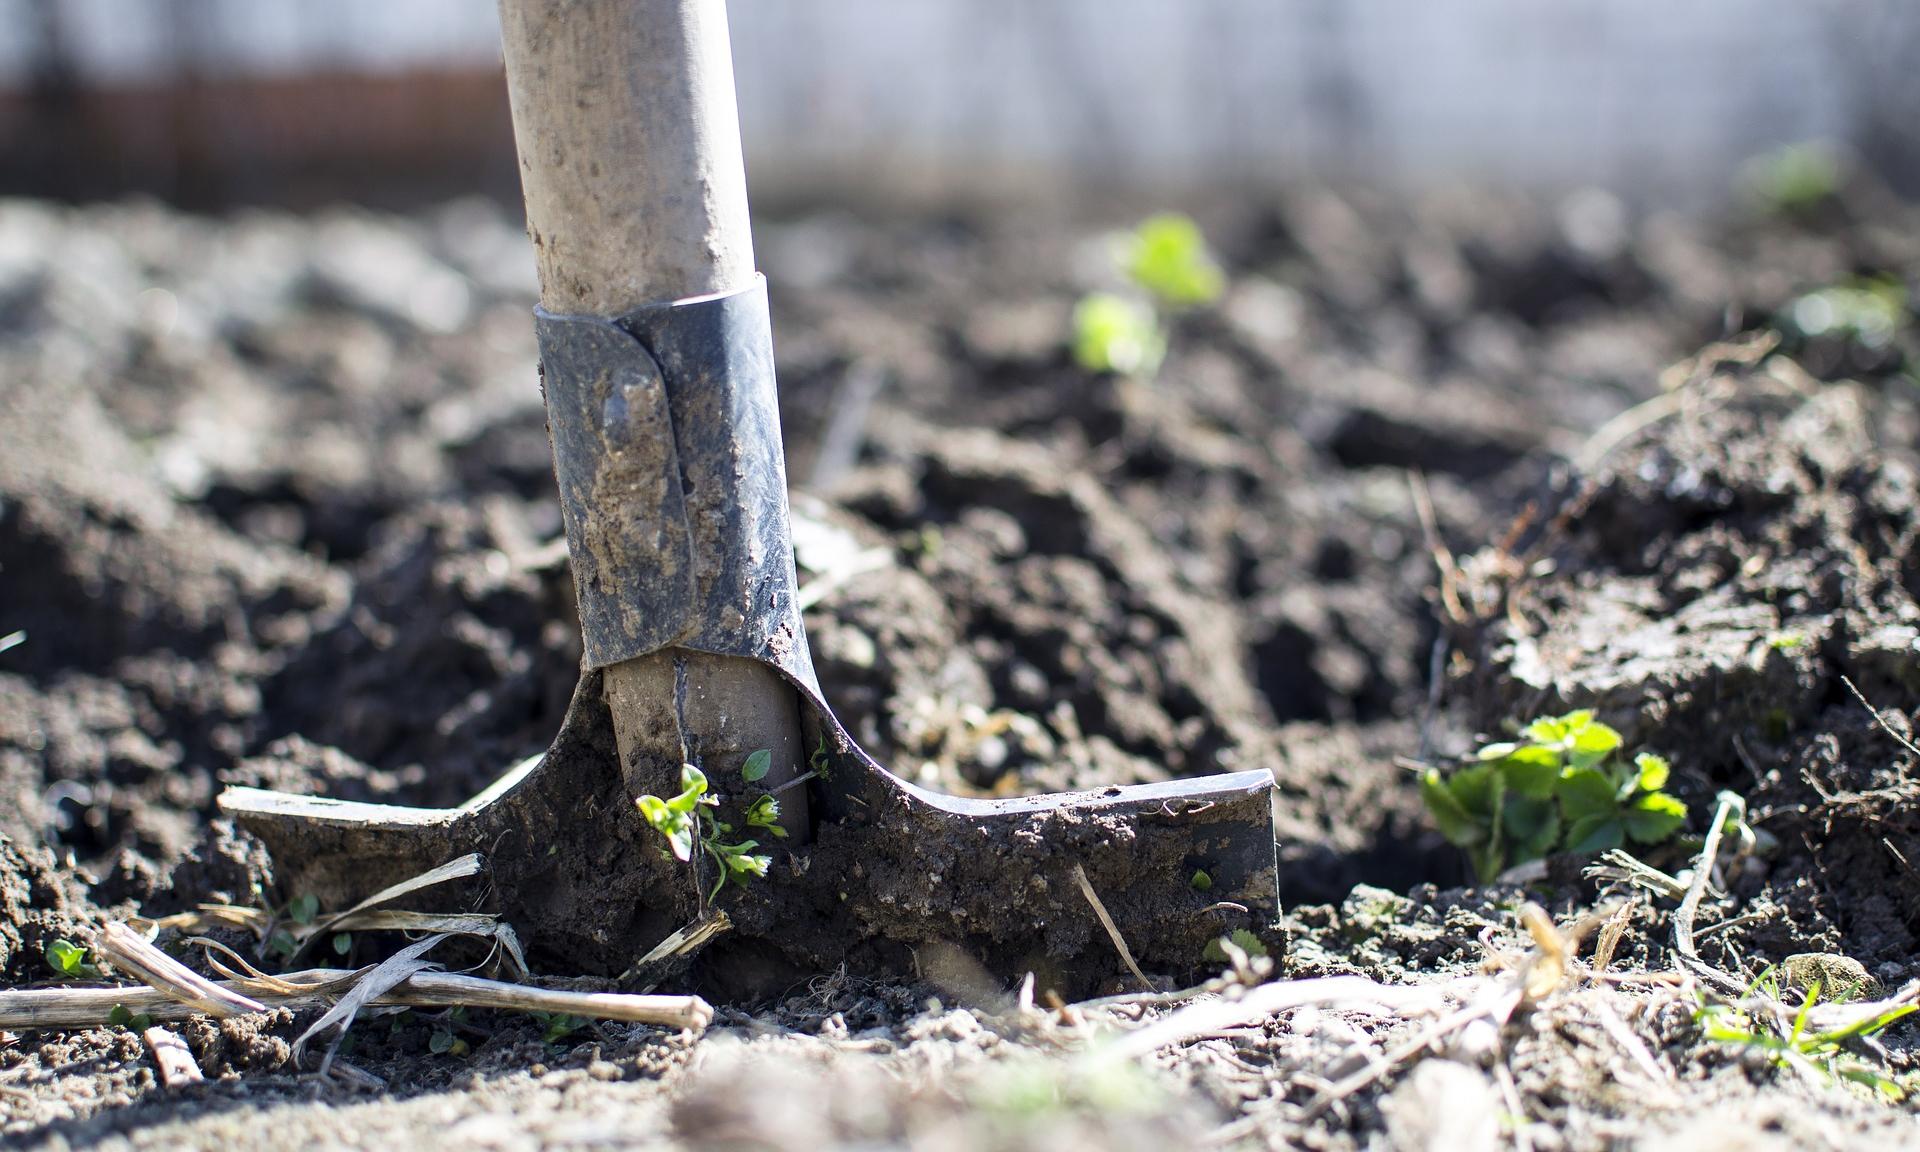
(1839, 977)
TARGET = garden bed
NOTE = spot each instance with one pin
(276, 509)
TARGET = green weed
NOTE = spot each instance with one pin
(1822, 1055)
(557, 1026)
(1793, 179)
(689, 821)
(69, 961)
(1167, 257)
(1168, 270)
(1870, 311)
(444, 1043)
(1564, 787)
(1240, 938)
(1117, 334)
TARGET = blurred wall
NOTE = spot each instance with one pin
(223, 100)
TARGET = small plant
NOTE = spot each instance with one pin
(1565, 787)
(557, 1026)
(1869, 311)
(120, 1016)
(1240, 938)
(1169, 270)
(303, 908)
(444, 1043)
(688, 820)
(1116, 334)
(69, 961)
(1793, 179)
(1821, 1055)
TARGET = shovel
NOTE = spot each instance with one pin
(657, 370)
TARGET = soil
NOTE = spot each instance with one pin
(276, 508)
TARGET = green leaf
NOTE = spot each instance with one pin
(1540, 841)
(303, 908)
(741, 867)
(1497, 751)
(1114, 334)
(1532, 771)
(1654, 771)
(764, 814)
(1454, 821)
(1477, 788)
(1201, 882)
(1167, 256)
(1523, 818)
(66, 957)
(1596, 833)
(1248, 942)
(560, 1026)
(342, 943)
(693, 786)
(757, 765)
(1591, 743)
(440, 1042)
(1586, 792)
(674, 824)
(1557, 730)
(123, 1017)
(1654, 817)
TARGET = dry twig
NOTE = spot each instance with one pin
(1903, 741)
(316, 987)
(1113, 930)
(130, 952)
(1730, 805)
(172, 1057)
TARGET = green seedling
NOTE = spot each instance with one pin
(820, 763)
(1167, 257)
(1245, 941)
(1822, 1055)
(557, 1026)
(687, 821)
(444, 1043)
(1870, 311)
(303, 908)
(1793, 179)
(1565, 787)
(120, 1016)
(1117, 334)
(342, 943)
(1168, 270)
(69, 961)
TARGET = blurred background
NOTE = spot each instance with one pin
(210, 103)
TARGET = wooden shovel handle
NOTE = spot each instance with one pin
(629, 141)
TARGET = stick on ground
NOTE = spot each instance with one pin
(1113, 930)
(90, 1007)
